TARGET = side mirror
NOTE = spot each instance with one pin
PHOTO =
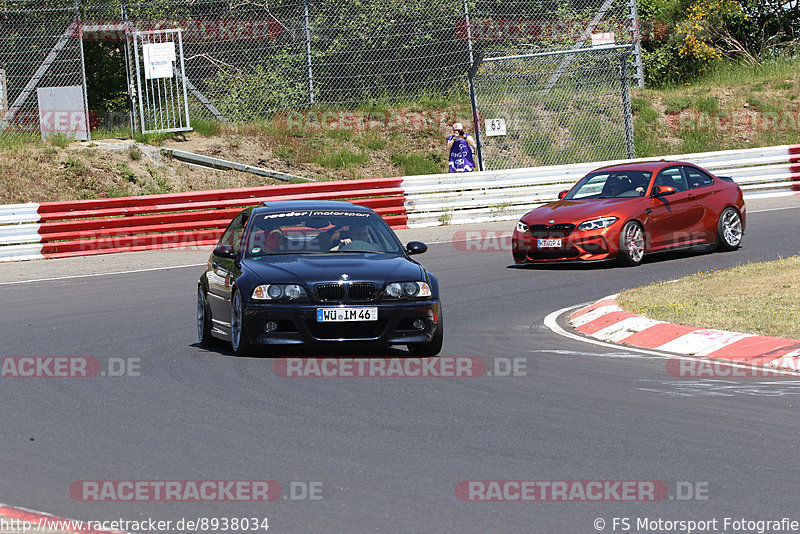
(562, 194)
(416, 247)
(224, 251)
(663, 190)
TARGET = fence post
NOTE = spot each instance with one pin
(79, 29)
(126, 46)
(476, 127)
(308, 54)
(627, 112)
(637, 42)
(469, 32)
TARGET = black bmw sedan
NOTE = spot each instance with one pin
(316, 273)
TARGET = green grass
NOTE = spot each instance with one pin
(708, 103)
(342, 159)
(415, 164)
(60, 140)
(135, 153)
(153, 138)
(105, 133)
(206, 127)
(126, 172)
(339, 134)
(374, 143)
(643, 110)
(17, 142)
(713, 299)
(697, 141)
(678, 104)
(75, 167)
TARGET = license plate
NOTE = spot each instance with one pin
(548, 243)
(341, 315)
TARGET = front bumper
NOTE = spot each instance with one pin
(298, 325)
(578, 246)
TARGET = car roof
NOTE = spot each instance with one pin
(652, 166)
(280, 205)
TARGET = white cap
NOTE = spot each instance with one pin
(458, 126)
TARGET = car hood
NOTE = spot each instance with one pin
(310, 269)
(578, 211)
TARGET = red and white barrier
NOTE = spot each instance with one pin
(606, 321)
(98, 226)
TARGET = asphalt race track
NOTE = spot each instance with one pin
(389, 453)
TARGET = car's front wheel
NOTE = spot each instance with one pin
(432, 347)
(239, 341)
(729, 229)
(631, 244)
(203, 319)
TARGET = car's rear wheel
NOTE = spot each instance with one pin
(239, 341)
(432, 347)
(631, 244)
(203, 319)
(729, 229)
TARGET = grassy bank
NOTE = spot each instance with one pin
(733, 106)
(714, 299)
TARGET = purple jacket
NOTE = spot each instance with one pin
(461, 157)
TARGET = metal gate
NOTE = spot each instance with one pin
(160, 81)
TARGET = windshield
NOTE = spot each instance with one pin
(618, 184)
(303, 232)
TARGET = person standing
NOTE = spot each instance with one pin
(462, 148)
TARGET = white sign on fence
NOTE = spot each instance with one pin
(62, 111)
(603, 39)
(495, 127)
(158, 60)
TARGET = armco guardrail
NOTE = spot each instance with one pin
(82, 227)
(438, 199)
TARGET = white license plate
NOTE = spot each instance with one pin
(341, 315)
(548, 243)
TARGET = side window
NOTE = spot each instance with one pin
(697, 178)
(673, 177)
(233, 234)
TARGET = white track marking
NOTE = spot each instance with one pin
(101, 274)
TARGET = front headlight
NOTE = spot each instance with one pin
(522, 227)
(278, 291)
(596, 224)
(408, 290)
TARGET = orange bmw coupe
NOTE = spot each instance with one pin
(625, 211)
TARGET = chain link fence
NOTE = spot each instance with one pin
(553, 108)
(254, 59)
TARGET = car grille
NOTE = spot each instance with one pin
(361, 291)
(355, 291)
(564, 254)
(349, 330)
(542, 231)
(330, 291)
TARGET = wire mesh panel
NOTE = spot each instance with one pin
(251, 59)
(556, 108)
(40, 46)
